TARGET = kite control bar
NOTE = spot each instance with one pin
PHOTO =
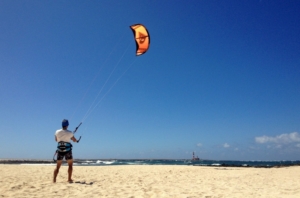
(76, 130)
(77, 127)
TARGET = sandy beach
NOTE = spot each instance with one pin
(149, 181)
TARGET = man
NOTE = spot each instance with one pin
(64, 149)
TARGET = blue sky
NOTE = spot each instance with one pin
(221, 78)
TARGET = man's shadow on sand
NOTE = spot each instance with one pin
(83, 182)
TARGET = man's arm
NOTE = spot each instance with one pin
(74, 139)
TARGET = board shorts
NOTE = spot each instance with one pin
(67, 155)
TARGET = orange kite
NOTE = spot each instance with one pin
(142, 38)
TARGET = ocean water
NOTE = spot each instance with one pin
(185, 162)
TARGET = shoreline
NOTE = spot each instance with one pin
(79, 162)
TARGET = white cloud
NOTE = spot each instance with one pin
(280, 139)
(199, 144)
(226, 145)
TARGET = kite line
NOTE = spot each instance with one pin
(90, 111)
(97, 75)
(142, 40)
(91, 107)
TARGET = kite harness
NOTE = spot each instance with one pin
(64, 147)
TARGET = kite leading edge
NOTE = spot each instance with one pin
(142, 38)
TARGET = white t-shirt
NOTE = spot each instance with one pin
(63, 135)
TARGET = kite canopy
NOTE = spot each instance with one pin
(142, 38)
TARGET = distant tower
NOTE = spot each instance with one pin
(195, 158)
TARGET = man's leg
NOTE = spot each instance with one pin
(70, 170)
(56, 170)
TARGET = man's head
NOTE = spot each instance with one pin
(65, 123)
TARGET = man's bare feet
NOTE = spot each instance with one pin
(70, 181)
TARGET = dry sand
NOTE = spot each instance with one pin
(150, 181)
